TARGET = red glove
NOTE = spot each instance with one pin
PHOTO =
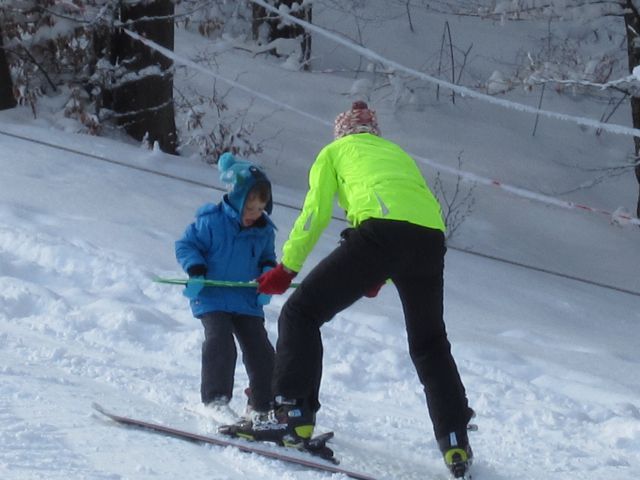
(276, 280)
(373, 291)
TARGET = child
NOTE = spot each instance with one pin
(232, 240)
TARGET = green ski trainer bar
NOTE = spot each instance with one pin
(211, 283)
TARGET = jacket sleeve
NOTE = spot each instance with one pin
(268, 257)
(195, 242)
(315, 215)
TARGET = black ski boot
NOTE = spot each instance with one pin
(457, 453)
(289, 424)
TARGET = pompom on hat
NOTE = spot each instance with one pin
(241, 176)
(360, 119)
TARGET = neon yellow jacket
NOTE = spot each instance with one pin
(374, 178)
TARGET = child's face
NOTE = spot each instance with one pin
(253, 208)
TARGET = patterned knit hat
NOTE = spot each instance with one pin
(357, 120)
(241, 176)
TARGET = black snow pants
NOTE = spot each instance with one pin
(219, 357)
(413, 258)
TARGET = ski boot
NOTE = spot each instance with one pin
(289, 424)
(218, 409)
(457, 453)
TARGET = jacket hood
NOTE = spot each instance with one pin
(242, 177)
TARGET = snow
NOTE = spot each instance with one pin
(548, 354)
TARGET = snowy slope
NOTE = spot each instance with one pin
(545, 359)
(550, 363)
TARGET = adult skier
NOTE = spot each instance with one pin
(398, 234)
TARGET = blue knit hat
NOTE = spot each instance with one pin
(242, 176)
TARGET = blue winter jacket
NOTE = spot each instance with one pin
(230, 252)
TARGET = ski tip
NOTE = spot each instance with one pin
(101, 410)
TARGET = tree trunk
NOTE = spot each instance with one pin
(258, 18)
(143, 97)
(632, 26)
(261, 16)
(7, 100)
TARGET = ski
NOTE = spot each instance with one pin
(230, 442)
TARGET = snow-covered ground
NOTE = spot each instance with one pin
(550, 363)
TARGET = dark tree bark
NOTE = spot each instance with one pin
(258, 18)
(7, 100)
(632, 26)
(261, 16)
(143, 102)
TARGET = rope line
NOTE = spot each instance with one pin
(296, 208)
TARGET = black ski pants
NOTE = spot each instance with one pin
(413, 258)
(219, 357)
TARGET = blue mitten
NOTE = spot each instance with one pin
(194, 286)
(263, 298)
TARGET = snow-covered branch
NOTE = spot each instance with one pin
(464, 91)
